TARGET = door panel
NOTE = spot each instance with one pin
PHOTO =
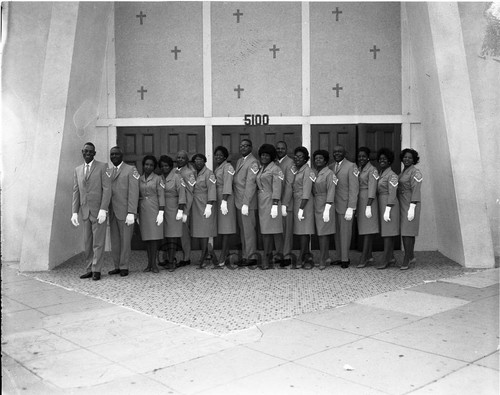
(137, 142)
(376, 136)
(328, 136)
(230, 137)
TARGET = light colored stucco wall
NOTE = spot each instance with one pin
(22, 69)
(434, 132)
(79, 127)
(484, 74)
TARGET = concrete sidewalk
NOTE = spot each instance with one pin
(435, 338)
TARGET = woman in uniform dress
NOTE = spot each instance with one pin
(410, 182)
(324, 211)
(203, 219)
(226, 212)
(151, 210)
(303, 205)
(388, 205)
(175, 202)
(269, 183)
(367, 208)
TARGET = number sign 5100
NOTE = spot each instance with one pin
(256, 119)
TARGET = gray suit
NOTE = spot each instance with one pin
(124, 200)
(91, 194)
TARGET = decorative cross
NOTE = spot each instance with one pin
(175, 51)
(274, 50)
(337, 12)
(375, 50)
(337, 88)
(239, 90)
(237, 14)
(141, 15)
(142, 91)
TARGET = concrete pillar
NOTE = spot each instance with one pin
(462, 134)
(48, 137)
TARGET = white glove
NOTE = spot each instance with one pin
(274, 211)
(283, 210)
(223, 207)
(348, 214)
(101, 217)
(130, 219)
(244, 210)
(411, 211)
(208, 211)
(368, 211)
(74, 219)
(159, 217)
(387, 214)
(178, 217)
(184, 218)
(326, 213)
(300, 214)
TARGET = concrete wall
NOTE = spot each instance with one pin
(84, 93)
(22, 70)
(484, 73)
(449, 131)
(52, 70)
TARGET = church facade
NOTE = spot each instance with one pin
(158, 77)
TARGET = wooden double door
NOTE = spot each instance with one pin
(373, 136)
(137, 142)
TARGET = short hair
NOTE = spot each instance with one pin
(150, 157)
(323, 153)
(166, 159)
(195, 156)
(303, 150)
(282, 142)
(268, 149)
(387, 153)
(183, 152)
(222, 149)
(91, 144)
(248, 141)
(366, 150)
(117, 148)
(414, 153)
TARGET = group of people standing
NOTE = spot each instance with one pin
(285, 196)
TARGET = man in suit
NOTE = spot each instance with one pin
(189, 180)
(123, 209)
(285, 163)
(346, 197)
(91, 195)
(245, 200)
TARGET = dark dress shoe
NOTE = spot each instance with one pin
(148, 269)
(307, 266)
(86, 275)
(285, 263)
(345, 265)
(96, 276)
(164, 263)
(114, 271)
(337, 262)
(171, 267)
(123, 272)
(184, 263)
(155, 270)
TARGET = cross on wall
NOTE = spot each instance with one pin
(337, 88)
(239, 90)
(237, 14)
(274, 50)
(375, 50)
(140, 16)
(337, 12)
(142, 91)
(175, 51)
